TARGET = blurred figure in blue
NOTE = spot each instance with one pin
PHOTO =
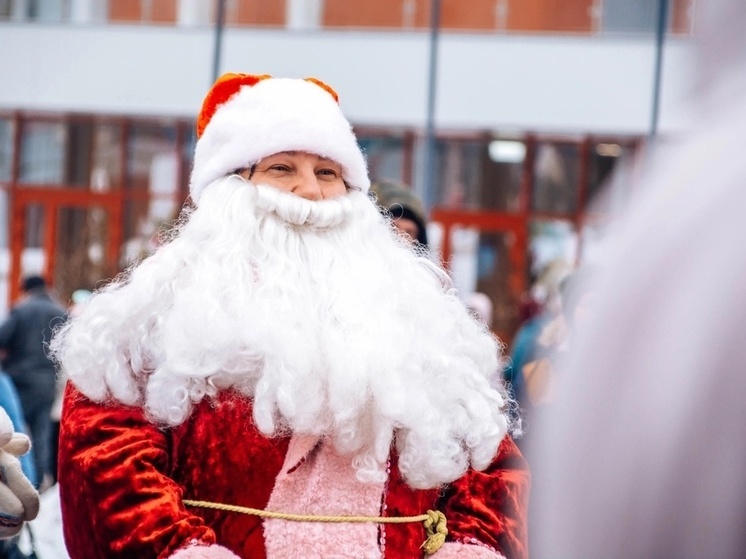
(641, 454)
(528, 346)
(24, 337)
(19, 501)
(10, 402)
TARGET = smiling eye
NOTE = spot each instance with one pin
(279, 167)
(331, 173)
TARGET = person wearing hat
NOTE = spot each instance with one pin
(228, 397)
(405, 209)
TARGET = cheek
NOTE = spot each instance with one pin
(263, 178)
(335, 189)
(407, 227)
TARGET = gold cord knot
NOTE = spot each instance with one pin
(435, 527)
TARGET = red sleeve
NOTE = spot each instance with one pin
(490, 508)
(117, 499)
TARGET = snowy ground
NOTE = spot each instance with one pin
(47, 528)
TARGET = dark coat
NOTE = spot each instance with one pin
(24, 337)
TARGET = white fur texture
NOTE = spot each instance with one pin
(275, 115)
(317, 310)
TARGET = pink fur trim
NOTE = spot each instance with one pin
(204, 552)
(457, 550)
(298, 449)
(323, 484)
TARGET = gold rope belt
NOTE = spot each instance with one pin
(434, 520)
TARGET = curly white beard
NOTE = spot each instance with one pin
(316, 310)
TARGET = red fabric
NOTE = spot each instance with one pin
(222, 90)
(491, 506)
(122, 481)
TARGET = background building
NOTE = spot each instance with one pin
(534, 102)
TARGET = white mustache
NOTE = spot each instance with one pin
(322, 214)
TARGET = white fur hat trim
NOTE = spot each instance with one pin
(272, 116)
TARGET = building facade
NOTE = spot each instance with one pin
(533, 104)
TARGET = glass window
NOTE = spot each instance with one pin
(149, 146)
(604, 159)
(79, 149)
(479, 174)
(503, 174)
(152, 179)
(6, 149)
(482, 262)
(190, 140)
(385, 157)
(33, 235)
(457, 173)
(49, 10)
(630, 16)
(80, 250)
(303, 14)
(140, 234)
(551, 241)
(42, 152)
(556, 172)
(79, 153)
(106, 171)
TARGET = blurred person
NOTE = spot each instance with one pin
(641, 454)
(79, 299)
(19, 501)
(285, 351)
(24, 337)
(404, 208)
(11, 523)
(525, 347)
(575, 299)
(11, 404)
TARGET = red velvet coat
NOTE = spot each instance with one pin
(122, 481)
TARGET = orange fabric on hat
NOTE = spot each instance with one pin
(228, 85)
(329, 89)
(223, 89)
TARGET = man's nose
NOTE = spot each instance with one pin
(307, 185)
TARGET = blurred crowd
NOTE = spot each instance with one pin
(626, 370)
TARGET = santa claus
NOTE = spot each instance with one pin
(284, 377)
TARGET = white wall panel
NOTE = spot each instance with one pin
(562, 84)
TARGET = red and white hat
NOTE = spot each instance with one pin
(245, 118)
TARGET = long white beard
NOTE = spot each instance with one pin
(316, 310)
